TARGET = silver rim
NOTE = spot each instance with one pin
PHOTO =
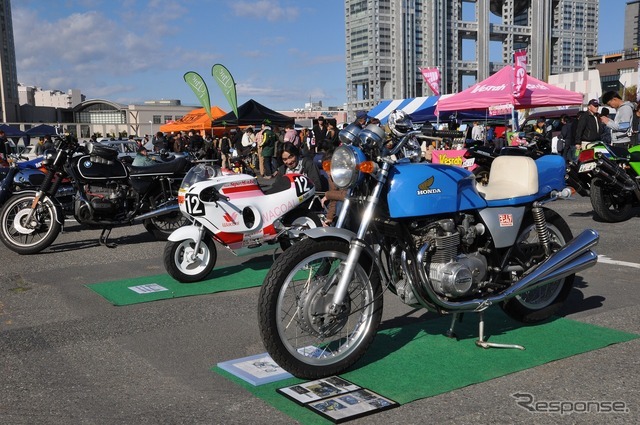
(184, 262)
(301, 322)
(14, 224)
(542, 296)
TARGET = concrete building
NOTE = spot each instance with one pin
(9, 106)
(388, 41)
(35, 96)
(631, 25)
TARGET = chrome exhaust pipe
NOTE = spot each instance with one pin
(158, 212)
(572, 258)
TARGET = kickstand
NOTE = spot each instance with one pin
(102, 240)
(457, 317)
(484, 344)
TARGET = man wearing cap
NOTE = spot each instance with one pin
(588, 129)
(622, 122)
(361, 119)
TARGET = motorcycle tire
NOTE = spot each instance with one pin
(482, 175)
(540, 303)
(302, 217)
(610, 206)
(295, 326)
(182, 268)
(18, 238)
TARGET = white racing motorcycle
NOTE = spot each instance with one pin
(234, 211)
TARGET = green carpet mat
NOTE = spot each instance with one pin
(417, 361)
(162, 287)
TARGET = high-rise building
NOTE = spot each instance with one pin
(631, 25)
(388, 41)
(9, 105)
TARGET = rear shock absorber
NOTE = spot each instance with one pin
(541, 228)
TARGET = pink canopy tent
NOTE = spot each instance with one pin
(498, 90)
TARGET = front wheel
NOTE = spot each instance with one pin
(297, 327)
(482, 175)
(187, 266)
(542, 302)
(610, 205)
(28, 236)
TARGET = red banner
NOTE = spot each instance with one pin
(519, 73)
(432, 77)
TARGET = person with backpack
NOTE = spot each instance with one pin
(225, 149)
(268, 145)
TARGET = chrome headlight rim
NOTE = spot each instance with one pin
(344, 166)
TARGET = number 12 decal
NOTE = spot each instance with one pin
(193, 204)
(302, 185)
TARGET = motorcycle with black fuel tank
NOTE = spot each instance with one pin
(429, 234)
(610, 177)
(106, 194)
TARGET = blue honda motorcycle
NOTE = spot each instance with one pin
(430, 235)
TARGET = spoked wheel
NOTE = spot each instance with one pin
(610, 204)
(542, 302)
(161, 227)
(187, 266)
(299, 219)
(28, 236)
(298, 329)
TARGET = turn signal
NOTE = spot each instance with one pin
(368, 167)
(326, 165)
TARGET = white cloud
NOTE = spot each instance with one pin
(270, 10)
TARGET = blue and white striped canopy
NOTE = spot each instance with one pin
(419, 108)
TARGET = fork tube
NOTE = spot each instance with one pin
(358, 244)
(196, 248)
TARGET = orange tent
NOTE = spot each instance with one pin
(197, 120)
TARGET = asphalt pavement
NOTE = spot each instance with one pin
(67, 356)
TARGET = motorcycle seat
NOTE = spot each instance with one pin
(510, 177)
(174, 166)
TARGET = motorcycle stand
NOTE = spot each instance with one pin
(480, 341)
(102, 240)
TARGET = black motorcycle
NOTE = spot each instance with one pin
(107, 194)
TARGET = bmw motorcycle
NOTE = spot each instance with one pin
(106, 194)
(234, 211)
(610, 177)
(22, 173)
(430, 235)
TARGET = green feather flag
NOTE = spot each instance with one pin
(228, 86)
(199, 87)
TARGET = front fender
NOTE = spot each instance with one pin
(320, 233)
(185, 232)
(330, 232)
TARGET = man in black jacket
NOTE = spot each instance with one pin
(588, 129)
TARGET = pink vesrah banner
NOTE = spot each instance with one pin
(432, 77)
(519, 73)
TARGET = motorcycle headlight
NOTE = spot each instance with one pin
(349, 135)
(49, 156)
(344, 165)
(372, 136)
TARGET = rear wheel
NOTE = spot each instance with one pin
(609, 204)
(542, 302)
(298, 220)
(162, 226)
(187, 266)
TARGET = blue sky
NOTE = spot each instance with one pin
(281, 53)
